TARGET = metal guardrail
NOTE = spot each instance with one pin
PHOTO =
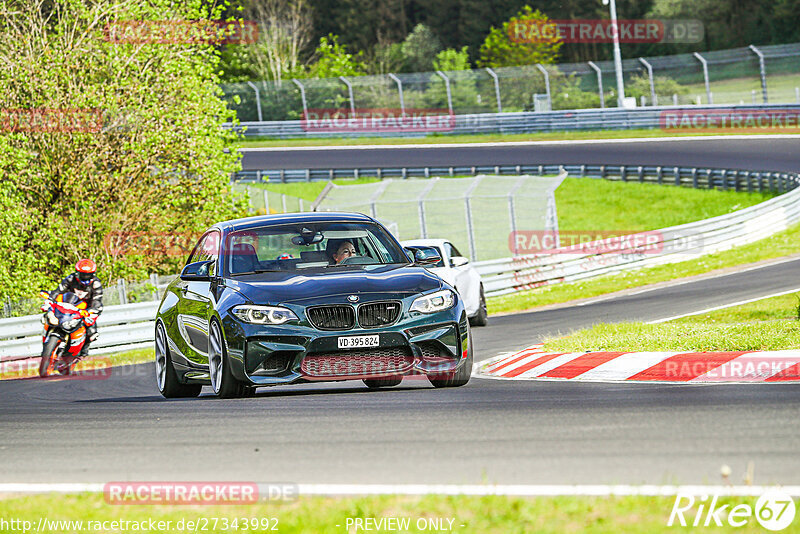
(675, 244)
(124, 326)
(521, 122)
(696, 177)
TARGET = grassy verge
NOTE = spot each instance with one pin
(591, 205)
(318, 514)
(477, 138)
(9, 371)
(776, 246)
(767, 324)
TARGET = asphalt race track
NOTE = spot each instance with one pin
(768, 154)
(515, 432)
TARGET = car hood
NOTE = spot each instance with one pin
(298, 287)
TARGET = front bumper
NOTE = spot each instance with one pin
(263, 355)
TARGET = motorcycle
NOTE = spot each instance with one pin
(65, 321)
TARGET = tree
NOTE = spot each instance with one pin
(140, 148)
(284, 32)
(420, 47)
(500, 50)
(333, 60)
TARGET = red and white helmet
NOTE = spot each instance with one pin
(86, 269)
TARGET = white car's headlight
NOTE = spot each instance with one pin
(250, 313)
(435, 302)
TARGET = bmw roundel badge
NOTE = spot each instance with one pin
(353, 298)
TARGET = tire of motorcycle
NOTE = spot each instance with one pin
(48, 353)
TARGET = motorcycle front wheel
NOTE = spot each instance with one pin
(48, 356)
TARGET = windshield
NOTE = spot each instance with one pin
(311, 246)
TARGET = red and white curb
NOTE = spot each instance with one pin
(684, 367)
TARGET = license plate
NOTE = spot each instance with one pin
(357, 342)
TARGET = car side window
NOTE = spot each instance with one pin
(451, 250)
(207, 248)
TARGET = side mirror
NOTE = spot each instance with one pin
(458, 261)
(426, 256)
(197, 271)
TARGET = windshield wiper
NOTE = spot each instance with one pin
(258, 271)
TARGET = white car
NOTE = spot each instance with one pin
(456, 270)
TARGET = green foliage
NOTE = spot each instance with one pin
(452, 60)
(500, 50)
(150, 159)
(639, 86)
(333, 60)
(419, 48)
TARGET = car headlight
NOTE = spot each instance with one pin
(71, 324)
(263, 314)
(435, 302)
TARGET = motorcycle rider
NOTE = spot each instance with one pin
(87, 287)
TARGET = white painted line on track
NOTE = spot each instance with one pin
(516, 143)
(549, 365)
(722, 307)
(523, 490)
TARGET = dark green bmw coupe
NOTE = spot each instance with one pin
(307, 297)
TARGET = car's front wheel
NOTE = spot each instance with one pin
(166, 377)
(457, 378)
(223, 383)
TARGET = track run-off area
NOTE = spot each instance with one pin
(489, 431)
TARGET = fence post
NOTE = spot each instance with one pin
(705, 76)
(258, 101)
(649, 67)
(763, 69)
(302, 97)
(660, 175)
(447, 88)
(283, 202)
(546, 84)
(349, 92)
(470, 228)
(266, 201)
(496, 89)
(694, 178)
(154, 283)
(677, 176)
(599, 83)
(122, 290)
(399, 93)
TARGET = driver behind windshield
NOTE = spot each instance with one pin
(339, 250)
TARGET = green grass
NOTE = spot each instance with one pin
(781, 244)
(780, 88)
(475, 138)
(586, 204)
(767, 324)
(494, 514)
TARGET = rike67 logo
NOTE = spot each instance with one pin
(774, 510)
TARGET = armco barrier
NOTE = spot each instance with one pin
(677, 243)
(525, 122)
(119, 327)
(696, 177)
